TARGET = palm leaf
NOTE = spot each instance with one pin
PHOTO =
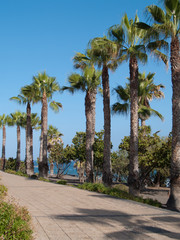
(120, 108)
(55, 106)
(157, 13)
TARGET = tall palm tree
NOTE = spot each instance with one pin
(17, 120)
(81, 61)
(28, 96)
(129, 38)
(45, 86)
(167, 25)
(147, 91)
(103, 52)
(88, 82)
(4, 120)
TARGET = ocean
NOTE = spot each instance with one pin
(71, 170)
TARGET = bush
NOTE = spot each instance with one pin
(116, 192)
(63, 182)
(3, 191)
(14, 220)
(11, 165)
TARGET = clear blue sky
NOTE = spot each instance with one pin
(38, 35)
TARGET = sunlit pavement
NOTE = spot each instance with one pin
(62, 212)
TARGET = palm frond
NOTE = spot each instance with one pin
(118, 108)
(55, 106)
(157, 13)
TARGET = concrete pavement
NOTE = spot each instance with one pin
(63, 213)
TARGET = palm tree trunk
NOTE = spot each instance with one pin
(133, 179)
(43, 164)
(143, 122)
(31, 148)
(18, 149)
(93, 115)
(29, 160)
(174, 198)
(41, 142)
(3, 148)
(107, 171)
(90, 133)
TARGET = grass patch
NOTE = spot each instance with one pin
(19, 173)
(43, 179)
(14, 220)
(63, 182)
(116, 192)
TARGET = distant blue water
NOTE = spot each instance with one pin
(71, 170)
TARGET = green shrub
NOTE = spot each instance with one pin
(63, 182)
(3, 191)
(14, 222)
(116, 192)
(11, 165)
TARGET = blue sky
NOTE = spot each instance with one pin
(38, 35)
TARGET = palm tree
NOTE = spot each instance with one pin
(53, 135)
(129, 38)
(88, 82)
(45, 86)
(17, 119)
(82, 61)
(27, 96)
(166, 25)
(130, 49)
(103, 52)
(147, 91)
(4, 120)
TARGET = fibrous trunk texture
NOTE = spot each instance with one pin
(90, 102)
(107, 171)
(18, 149)
(133, 179)
(174, 198)
(3, 148)
(43, 164)
(29, 159)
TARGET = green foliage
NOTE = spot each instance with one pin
(14, 220)
(98, 148)
(120, 163)
(11, 165)
(79, 148)
(79, 144)
(116, 192)
(43, 179)
(3, 192)
(63, 182)
(19, 173)
(56, 153)
(154, 153)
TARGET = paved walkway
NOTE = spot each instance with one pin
(63, 213)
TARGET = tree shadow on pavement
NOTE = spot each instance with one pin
(120, 225)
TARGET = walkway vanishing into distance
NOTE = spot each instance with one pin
(63, 213)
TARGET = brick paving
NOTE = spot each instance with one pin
(65, 213)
